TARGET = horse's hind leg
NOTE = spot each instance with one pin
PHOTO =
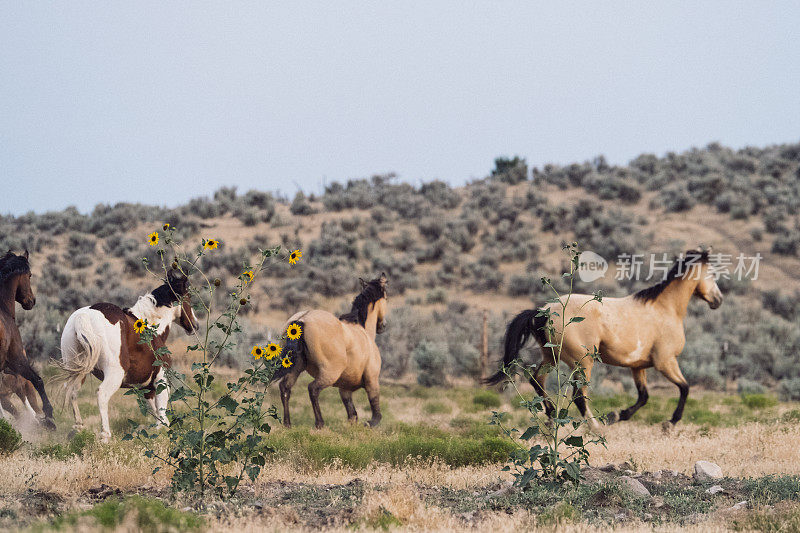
(285, 387)
(640, 378)
(112, 380)
(672, 372)
(73, 400)
(314, 388)
(538, 381)
(347, 400)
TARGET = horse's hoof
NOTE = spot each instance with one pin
(612, 418)
(49, 424)
(105, 437)
(667, 427)
(374, 423)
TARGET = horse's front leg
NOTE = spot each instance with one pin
(25, 370)
(349, 406)
(158, 400)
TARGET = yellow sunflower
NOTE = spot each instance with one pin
(286, 362)
(272, 351)
(295, 256)
(152, 239)
(210, 244)
(257, 352)
(294, 331)
(166, 226)
(247, 276)
(140, 325)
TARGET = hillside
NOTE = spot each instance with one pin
(450, 253)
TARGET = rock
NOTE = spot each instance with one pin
(715, 489)
(656, 474)
(706, 470)
(674, 473)
(610, 467)
(635, 486)
(740, 505)
(508, 488)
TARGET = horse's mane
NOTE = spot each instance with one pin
(13, 265)
(372, 292)
(692, 257)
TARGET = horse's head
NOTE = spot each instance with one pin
(707, 288)
(381, 306)
(184, 314)
(17, 267)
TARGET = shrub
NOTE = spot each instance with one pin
(301, 206)
(431, 360)
(758, 401)
(144, 514)
(789, 389)
(76, 446)
(439, 194)
(746, 386)
(510, 170)
(487, 399)
(10, 438)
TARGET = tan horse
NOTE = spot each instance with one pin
(339, 352)
(639, 331)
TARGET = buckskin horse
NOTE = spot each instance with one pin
(639, 331)
(15, 286)
(101, 340)
(339, 352)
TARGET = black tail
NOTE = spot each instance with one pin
(518, 332)
(295, 350)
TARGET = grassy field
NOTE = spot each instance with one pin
(434, 464)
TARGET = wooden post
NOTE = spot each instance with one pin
(485, 345)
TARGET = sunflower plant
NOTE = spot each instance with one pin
(214, 435)
(551, 449)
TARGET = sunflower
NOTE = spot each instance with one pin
(140, 325)
(295, 256)
(272, 350)
(286, 362)
(152, 239)
(166, 226)
(247, 276)
(257, 352)
(294, 331)
(210, 244)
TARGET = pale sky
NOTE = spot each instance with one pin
(159, 102)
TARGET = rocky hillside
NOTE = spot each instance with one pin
(450, 253)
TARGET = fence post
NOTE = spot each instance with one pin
(485, 345)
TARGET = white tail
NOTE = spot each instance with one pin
(76, 363)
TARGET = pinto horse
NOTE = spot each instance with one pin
(101, 340)
(339, 352)
(639, 331)
(15, 286)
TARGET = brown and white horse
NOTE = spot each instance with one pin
(339, 352)
(101, 340)
(15, 286)
(639, 331)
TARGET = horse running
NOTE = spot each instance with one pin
(339, 352)
(638, 331)
(101, 340)
(15, 286)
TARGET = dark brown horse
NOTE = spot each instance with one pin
(101, 340)
(15, 286)
(639, 331)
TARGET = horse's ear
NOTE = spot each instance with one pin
(362, 282)
(383, 281)
(25, 255)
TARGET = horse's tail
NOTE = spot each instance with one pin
(80, 350)
(518, 331)
(295, 349)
